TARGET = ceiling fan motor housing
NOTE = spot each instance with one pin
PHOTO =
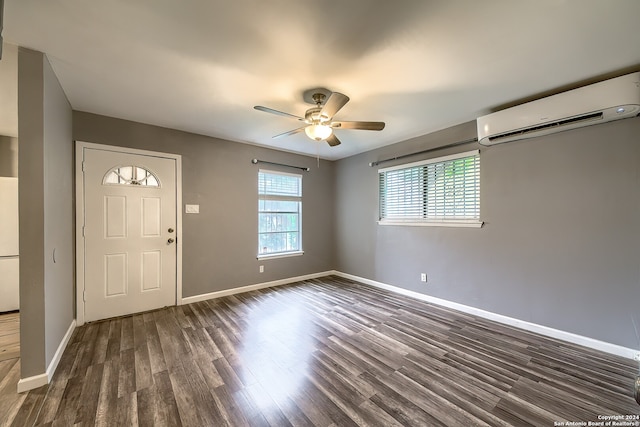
(313, 116)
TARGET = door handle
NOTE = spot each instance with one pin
(170, 240)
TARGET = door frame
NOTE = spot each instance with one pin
(80, 215)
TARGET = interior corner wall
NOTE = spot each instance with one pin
(220, 243)
(46, 212)
(560, 241)
(59, 209)
(31, 206)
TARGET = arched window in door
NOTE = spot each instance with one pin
(131, 175)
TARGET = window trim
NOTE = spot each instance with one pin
(469, 223)
(285, 254)
(280, 255)
(461, 223)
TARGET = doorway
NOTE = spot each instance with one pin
(9, 237)
(129, 231)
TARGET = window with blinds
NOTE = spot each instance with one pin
(279, 213)
(440, 191)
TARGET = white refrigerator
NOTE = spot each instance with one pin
(9, 260)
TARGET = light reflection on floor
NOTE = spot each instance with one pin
(277, 348)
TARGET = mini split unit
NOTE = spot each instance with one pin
(602, 102)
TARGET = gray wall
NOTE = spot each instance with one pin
(560, 242)
(59, 208)
(31, 204)
(46, 215)
(220, 244)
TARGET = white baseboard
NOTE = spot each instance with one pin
(58, 355)
(528, 326)
(233, 291)
(29, 383)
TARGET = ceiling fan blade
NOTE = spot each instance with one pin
(358, 125)
(291, 132)
(335, 102)
(333, 140)
(279, 113)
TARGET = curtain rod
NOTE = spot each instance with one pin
(256, 161)
(454, 144)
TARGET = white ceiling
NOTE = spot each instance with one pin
(419, 66)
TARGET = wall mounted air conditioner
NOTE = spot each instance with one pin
(602, 102)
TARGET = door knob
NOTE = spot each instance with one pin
(170, 230)
(170, 241)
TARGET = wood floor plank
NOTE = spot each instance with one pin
(318, 407)
(127, 410)
(154, 348)
(189, 413)
(7, 366)
(321, 352)
(399, 407)
(142, 367)
(101, 343)
(53, 401)
(195, 402)
(268, 402)
(256, 411)
(165, 402)
(90, 394)
(234, 408)
(30, 408)
(115, 340)
(126, 337)
(10, 402)
(127, 373)
(108, 396)
(9, 335)
(70, 401)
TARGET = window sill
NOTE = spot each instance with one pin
(280, 255)
(461, 224)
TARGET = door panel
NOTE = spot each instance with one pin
(151, 217)
(151, 270)
(130, 264)
(115, 218)
(115, 269)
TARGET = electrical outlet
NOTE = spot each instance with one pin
(423, 277)
(262, 269)
(636, 357)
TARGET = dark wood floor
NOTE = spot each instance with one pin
(324, 352)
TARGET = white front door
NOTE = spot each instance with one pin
(130, 233)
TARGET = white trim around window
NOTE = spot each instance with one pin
(279, 214)
(440, 192)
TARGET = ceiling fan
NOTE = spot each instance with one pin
(319, 119)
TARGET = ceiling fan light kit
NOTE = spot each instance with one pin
(319, 119)
(318, 132)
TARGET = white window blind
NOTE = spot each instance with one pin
(279, 213)
(440, 190)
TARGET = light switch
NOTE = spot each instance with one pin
(192, 209)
